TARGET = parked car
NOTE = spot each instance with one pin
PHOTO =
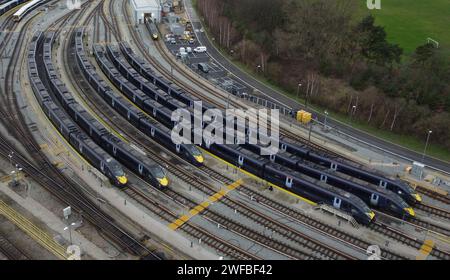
(203, 67)
(200, 49)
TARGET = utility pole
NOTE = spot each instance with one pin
(298, 89)
(426, 144)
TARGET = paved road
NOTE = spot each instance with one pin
(276, 95)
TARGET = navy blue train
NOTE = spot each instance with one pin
(380, 198)
(96, 156)
(151, 128)
(143, 167)
(142, 67)
(260, 167)
(293, 181)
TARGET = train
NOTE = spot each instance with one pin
(137, 118)
(7, 5)
(90, 151)
(25, 9)
(274, 172)
(151, 26)
(293, 181)
(379, 198)
(401, 188)
(133, 160)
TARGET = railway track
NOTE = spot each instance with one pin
(386, 254)
(107, 115)
(194, 79)
(384, 228)
(191, 229)
(440, 212)
(159, 45)
(46, 174)
(442, 198)
(40, 236)
(154, 206)
(10, 251)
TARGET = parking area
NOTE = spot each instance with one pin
(215, 74)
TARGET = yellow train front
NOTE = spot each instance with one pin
(158, 177)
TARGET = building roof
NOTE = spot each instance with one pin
(145, 4)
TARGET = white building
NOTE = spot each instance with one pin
(143, 8)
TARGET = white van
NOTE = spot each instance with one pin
(200, 49)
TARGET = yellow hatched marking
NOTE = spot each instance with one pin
(258, 178)
(33, 231)
(425, 250)
(205, 204)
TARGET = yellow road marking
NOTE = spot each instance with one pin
(205, 204)
(425, 250)
(33, 231)
(258, 178)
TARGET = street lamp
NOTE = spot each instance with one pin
(352, 112)
(70, 231)
(298, 89)
(426, 144)
(325, 121)
(10, 157)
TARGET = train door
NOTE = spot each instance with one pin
(289, 182)
(337, 203)
(241, 160)
(374, 199)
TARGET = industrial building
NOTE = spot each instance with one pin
(143, 8)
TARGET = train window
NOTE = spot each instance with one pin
(154, 112)
(141, 169)
(152, 131)
(272, 158)
(289, 181)
(383, 184)
(241, 160)
(194, 150)
(283, 147)
(323, 178)
(178, 148)
(114, 150)
(128, 114)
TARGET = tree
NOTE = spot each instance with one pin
(373, 43)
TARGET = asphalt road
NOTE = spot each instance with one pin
(275, 95)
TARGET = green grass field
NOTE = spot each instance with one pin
(410, 22)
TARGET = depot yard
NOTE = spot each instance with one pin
(410, 22)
